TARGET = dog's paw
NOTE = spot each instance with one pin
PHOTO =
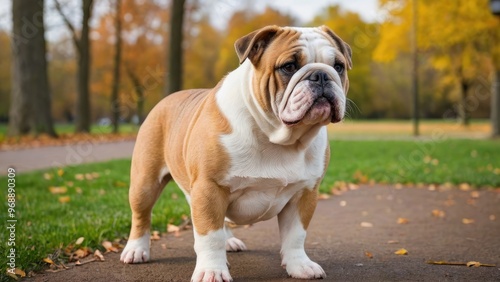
(136, 251)
(304, 269)
(234, 244)
(211, 275)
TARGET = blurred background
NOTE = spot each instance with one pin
(101, 65)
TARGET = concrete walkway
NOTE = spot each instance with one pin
(58, 156)
(338, 240)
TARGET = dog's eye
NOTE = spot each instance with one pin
(289, 68)
(339, 68)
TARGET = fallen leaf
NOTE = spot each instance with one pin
(172, 228)
(366, 224)
(155, 236)
(78, 190)
(360, 177)
(474, 194)
(80, 253)
(48, 260)
(64, 199)
(79, 241)
(60, 172)
(401, 252)
(467, 220)
(464, 186)
(98, 255)
(323, 196)
(403, 220)
(47, 176)
(368, 255)
(438, 213)
(109, 246)
(473, 263)
(79, 176)
(58, 189)
(392, 242)
(343, 203)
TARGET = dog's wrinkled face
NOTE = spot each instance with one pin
(300, 74)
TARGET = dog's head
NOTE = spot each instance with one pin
(299, 74)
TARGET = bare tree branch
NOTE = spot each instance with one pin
(70, 26)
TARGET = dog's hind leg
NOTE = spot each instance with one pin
(148, 177)
(233, 244)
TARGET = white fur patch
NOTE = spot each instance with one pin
(137, 250)
(211, 262)
(294, 257)
(233, 244)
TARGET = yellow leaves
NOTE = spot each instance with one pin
(401, 252)
(368, 255)
(48, 260)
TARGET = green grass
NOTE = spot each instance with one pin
(98, 208)
(476, 162)
(65, 128)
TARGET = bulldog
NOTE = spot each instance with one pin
(252, 148)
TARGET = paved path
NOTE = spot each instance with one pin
(337, 241)
(58, 156)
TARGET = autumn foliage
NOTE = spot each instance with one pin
(457, 43)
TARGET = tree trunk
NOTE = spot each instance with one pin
(463, 112)
(31, 102)
(495, 104)
(115, 101)
(175, 61)
(139, 92)
(83, 115)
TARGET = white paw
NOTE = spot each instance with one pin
(137, 250)
(234, 244)
(304, 269)
(211, 275)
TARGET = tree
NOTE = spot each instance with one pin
(31, 102)
(82, 46)
(241, 23)
(175, 51)
(115, 102)
(455, 36)
(363, 38)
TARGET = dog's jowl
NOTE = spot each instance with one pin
(252, 148)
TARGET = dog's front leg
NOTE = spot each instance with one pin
(293, 222)
(209, 203)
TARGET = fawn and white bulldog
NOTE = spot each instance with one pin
(252, 148)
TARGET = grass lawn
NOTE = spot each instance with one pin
(93, 204)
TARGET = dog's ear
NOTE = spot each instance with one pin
(252, 45)
(344, 47)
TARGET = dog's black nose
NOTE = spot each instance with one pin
(319, 77)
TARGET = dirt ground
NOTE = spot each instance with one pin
(451, 226)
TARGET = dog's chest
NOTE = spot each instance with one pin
(263, 179)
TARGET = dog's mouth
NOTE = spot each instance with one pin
(321, 109)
